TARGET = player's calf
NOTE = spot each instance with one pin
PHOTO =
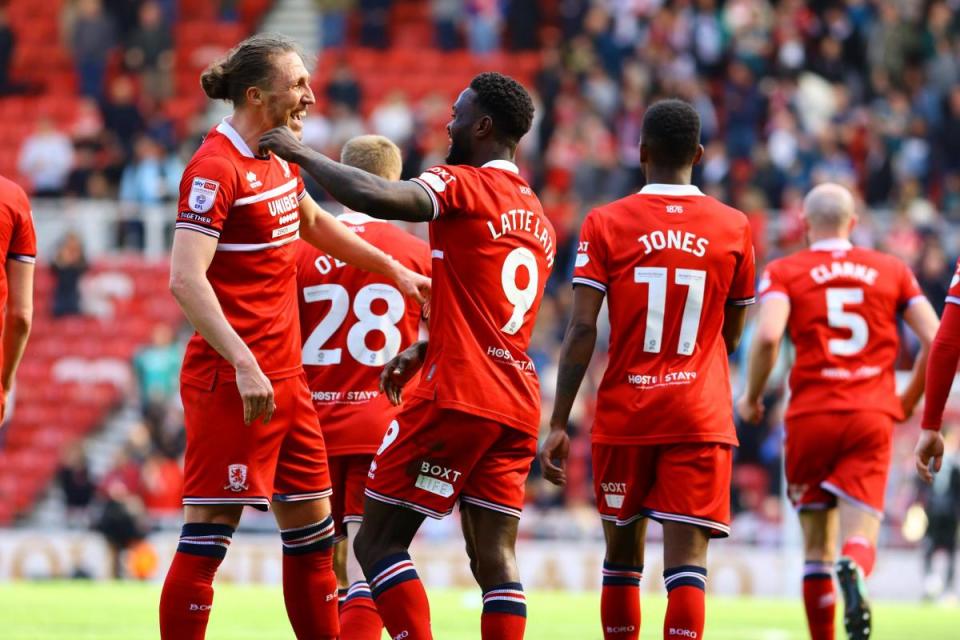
(187, 595)
(359, 619)
(504, 612)
(686, 592)
(309, 583)
(620, 601)
(819, 599)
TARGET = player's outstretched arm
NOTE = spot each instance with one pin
(922, 319)
(575, 354)
(355, 188)
(19, 317)
(331, 236)
(191, 257)
(771, 324)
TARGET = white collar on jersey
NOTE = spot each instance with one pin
(355, 217)
(227, 129)
(831, 244)
(506, 165)
(671, 190)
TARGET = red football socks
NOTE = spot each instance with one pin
(859, 549)
(686, 610)
(620, 602)
(819, 599)
(401, 598)
(359, 619)
(309, 583)
(504, 612)
(187, 595)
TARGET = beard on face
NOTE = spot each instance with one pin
(458, 152)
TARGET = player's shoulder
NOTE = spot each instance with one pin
(880, 259)
(11, 191)
(215, 155)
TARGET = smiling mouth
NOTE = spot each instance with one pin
(298, 116)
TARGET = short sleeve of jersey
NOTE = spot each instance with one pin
(909, 288)
(590, 268)
(23, 243)
(773, 283)
(953, 294)
(207, 192)
(449, 188)
(743, 287)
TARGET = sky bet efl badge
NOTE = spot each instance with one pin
(202, 194)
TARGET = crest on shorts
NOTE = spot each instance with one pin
(203, 193)
(237, 477)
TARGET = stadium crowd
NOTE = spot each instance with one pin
(790, 93)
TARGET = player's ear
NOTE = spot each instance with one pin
(698, 155)
(483, 126)
(643, 154)
(254, 95)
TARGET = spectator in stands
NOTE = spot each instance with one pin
(75, 481)
(68, 266)
(121, 115)
(157, 367)
(150, 51)
(343, 87)
(446, 23)
(523, 25)
(483, 26)
(333, 22)
(150, 180)
(122, 521)
(46, 158)
(393, 118)
(92, 38)
(933, 272)
(374, 23)
(941, 503)
(8, 42)
(162, 480)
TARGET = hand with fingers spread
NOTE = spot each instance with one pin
(553, 457)
(256, 392)
(929, 449)
(398, 371)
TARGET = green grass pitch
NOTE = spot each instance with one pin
(127, 611)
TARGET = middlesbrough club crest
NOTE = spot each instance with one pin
(237, 477)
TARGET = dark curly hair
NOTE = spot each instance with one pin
(671, 133)
(506, 102)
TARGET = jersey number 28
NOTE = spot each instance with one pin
(367, 321)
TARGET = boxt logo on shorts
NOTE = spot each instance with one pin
(613, 493)
(237, 478)
(437, 479)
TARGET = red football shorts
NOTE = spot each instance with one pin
(228, 462)
(838, 455)
(349, 476)
(687, 483)
(430, 457)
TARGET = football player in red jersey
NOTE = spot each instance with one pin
(677, 268)
(839, 304)
(353, 322)
(18, 241)
(252, 432)
(470, 429)
(941, 370)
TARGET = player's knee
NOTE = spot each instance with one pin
(495, 564)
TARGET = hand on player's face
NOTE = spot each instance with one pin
(398, 372)
(257, 394)
(280, 140)
(553, 457)
(750, 412)
(929, 449)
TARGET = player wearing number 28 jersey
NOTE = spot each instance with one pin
(840, 305)
(468, 430)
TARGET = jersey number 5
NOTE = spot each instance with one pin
(367, 321)
(656, 280)
(839, 318)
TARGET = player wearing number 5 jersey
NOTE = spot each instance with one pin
(468, 431)
(352, 322)
(677, 270)
(840, 305)
(252, 434)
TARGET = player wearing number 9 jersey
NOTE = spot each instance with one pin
(677, 269)
(840, 305)
(352, 322)
(468, 430)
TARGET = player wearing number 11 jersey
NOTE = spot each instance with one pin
(468, 432)
(839, 304)
(677, 269)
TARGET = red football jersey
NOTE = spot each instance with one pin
(352, 323)
(669, 259)
(251, 204)
(844, 302)
(18, 240)
(492, 249)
